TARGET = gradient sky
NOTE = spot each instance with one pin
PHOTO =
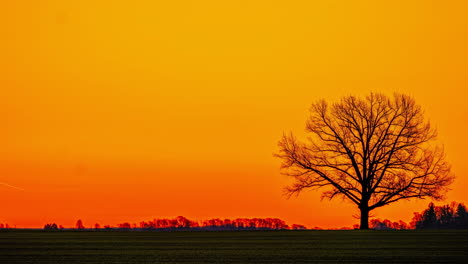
(117, 111)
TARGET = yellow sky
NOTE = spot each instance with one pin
(127, 110)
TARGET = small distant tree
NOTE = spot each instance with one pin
(461, 217)
(79, 224)
(446, 216)
(429, 218)
(416, 221)
(372, 151)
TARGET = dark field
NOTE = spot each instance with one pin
(352, 246)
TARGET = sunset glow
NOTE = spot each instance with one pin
(124, 111)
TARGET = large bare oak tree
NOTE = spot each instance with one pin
(372, 151)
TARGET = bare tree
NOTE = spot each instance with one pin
(372, 151)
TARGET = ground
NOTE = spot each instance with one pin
(351, 246)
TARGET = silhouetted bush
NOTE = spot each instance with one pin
(51, 226)
(298, 227)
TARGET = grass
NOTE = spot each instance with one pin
(353, 246)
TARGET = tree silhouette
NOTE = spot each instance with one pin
(429, 217)
(461, 219)
(372, 151)
(79, 224)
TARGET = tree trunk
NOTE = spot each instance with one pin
(364, 218)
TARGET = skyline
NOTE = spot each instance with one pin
(115, 112)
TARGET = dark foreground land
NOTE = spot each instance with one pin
(352, 246)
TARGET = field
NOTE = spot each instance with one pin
(353, 246)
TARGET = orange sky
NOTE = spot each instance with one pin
(117, 111)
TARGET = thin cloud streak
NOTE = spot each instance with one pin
(11, 186)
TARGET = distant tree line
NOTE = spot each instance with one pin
(449, 216)
(387, 224)
(183, 223)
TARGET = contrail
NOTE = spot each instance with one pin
(11, 186)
